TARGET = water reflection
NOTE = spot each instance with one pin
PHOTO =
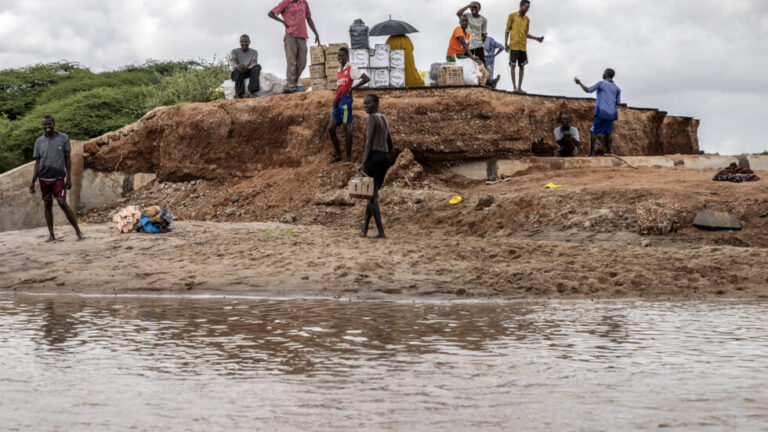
(120, 363)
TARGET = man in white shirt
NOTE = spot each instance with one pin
(567, 137)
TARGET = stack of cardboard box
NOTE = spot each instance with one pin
(332, 65)
(450, 75)
(384, 66)
(317, 67)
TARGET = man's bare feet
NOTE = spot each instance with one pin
(336, 158)
(50, 239)
(80, 236)
(363, 234)
(379, 236)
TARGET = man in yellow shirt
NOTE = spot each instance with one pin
(516, 41)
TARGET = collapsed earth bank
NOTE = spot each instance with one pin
(241, 138)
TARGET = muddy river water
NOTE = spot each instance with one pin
(159, 364)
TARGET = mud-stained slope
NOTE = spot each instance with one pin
(226, 138)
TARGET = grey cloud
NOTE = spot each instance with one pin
(700, 58)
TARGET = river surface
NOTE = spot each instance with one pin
(160, 364)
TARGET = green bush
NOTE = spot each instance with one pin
(198, 83)
(20, 88)
(87, 104)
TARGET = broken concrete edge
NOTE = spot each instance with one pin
(716, 221)
(484, 168)
(21, 210)
(533, 95)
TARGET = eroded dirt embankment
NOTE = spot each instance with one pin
(221, 139)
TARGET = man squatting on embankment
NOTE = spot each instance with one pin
(246, 65)
(53, 169)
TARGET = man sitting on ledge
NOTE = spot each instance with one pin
(245, 60)
(567, 137)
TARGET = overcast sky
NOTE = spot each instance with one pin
(700, 58)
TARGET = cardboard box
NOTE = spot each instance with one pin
(334, 48)
(450, 75)
(320, 84)
(361, 187)
(382, 47)
(331, 84)
(380, 78)
(317, 54)
(360, 58)
(379, 59)
(317, 71)
(332, 71)
(397, 77)
(397, 59)
(332, 62)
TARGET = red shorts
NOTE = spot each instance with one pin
(53, 188)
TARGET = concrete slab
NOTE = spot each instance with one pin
(21, 210)
(479, 170)
(716, 221)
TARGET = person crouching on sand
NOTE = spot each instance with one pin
(376, 159)
(52, 166)
(342, 105)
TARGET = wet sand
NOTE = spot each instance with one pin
(269, 259)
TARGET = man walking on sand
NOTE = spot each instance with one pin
(606, 109)
(342, 105)
(296, 16)
(246, 65)
(53, 168)
(516, 42)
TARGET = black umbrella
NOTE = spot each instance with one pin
(392, 27)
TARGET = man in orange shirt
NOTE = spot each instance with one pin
(458, 45)
(516, 41)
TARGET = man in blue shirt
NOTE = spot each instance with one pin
(491, 48)
(606, 111)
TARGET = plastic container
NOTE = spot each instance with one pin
(358, 35)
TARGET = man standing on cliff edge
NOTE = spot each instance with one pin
(516, 42)
(296, 16)
(606, 111)
(52, 167)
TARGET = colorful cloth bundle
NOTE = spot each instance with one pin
(734, 173)
(152, 220)
(126, 219)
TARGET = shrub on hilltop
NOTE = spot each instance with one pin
(87, 104)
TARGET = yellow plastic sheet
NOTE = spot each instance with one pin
(412, 76)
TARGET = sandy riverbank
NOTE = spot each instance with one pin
(268, 259)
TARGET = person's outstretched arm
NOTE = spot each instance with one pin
(585, 88)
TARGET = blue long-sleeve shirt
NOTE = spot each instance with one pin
(490, 46)
(608, 98)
